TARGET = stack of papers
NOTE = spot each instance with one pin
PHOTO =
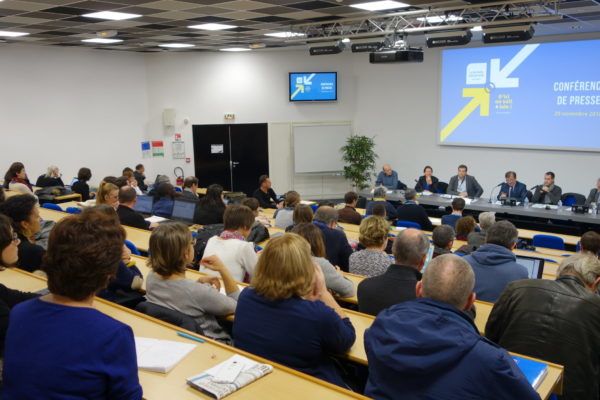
(160, 355)
(155, 218)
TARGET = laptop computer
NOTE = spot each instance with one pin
(183, 211)
(143, 205)
(534, 265)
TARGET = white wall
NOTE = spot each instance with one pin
(71, 108)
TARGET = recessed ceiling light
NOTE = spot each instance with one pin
(102, 40)
(284, 34)
(235, 49)
(438, 19)
(345, 40)
(12, 34)
(477, 28)
(111, 15)
(176, 45)
(379, 5)
(212, 27)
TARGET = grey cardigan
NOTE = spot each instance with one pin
(333, 280)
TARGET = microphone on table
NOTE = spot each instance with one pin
(492, 192)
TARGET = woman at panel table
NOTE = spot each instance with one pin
(16, 179)
(427, 182)
(171, 250)
(287, 314)
(25, 215)
(59, 345)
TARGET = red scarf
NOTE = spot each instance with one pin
(23, 181)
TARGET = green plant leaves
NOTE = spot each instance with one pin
(360, 158)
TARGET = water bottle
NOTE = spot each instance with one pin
(594, 209)
(559, 204)
(526, 202)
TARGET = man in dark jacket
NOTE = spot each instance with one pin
(139, 176)
(348, 214)
(494, 263)
(336, 243)
(397, 284)
(548, 192)
(557, 321)
(127, 216)
(380, 197)
(265, 194)
(429, 348)
(464, 185)
(413, 212)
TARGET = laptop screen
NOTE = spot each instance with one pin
(534, 265)
(143, 205)
(184, 210)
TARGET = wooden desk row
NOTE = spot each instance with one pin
(282, 383)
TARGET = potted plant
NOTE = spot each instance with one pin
(360, 158)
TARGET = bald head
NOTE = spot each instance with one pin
(127, 195)
(449, 279)
(410, 248)
(387, 169)
(327, 215)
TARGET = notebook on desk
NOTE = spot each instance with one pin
(534, 265)
(183, 211)
(534, 371)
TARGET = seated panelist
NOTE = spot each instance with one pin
(512, 188)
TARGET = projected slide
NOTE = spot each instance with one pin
(313, 86)
(527, 95)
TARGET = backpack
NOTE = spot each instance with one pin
(48, 194)
(204, 233)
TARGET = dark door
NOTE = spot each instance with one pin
(249, 155)
(233, 156)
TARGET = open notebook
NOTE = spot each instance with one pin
(160, 355)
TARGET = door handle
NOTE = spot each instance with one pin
(234, 163)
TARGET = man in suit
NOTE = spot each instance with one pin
(464, 185)
(594, 196)
(389, 178)
(512, 188)
(397, 284)
(127, 216)
(548, 193)
(190, 188)
(413, 212)
(337, 248)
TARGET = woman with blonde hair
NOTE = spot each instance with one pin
(373, 236)
(171, 251)
(288, 316)
(108, 194)
(51, 178)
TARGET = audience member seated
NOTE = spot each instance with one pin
(494, 263)
(590, 243)
(82, 352)
(465, 226)
(284, 216)
(163, 200)
(16, 179)
(458, 205)
(379, 210)
(25, 215)
(171, 250)
(427, 182)
(413, 212)
(127, 216)
(231, 246)
(557, 321)
(397, 284)
(287, 315)
(548, 192)
(51, 178)
(9, 257)
(477, 239)
(464, 185)
(210, 208)
(131, 181)
(265, 194)
(302, 213)
(259, 231)
(443, 239)
(334, 279)
(122, 181)
(373, 236)
(140, 177)
(512, 189)
(429, 348)
(388, 178)
(380, 197)
(159, 179)
(190, 188)
(336, 244)
(108, 194)
(593, 198)
(81, 186)
(348, 214)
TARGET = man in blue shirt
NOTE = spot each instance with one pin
(430, 348)
(389, 178)
(512, 189)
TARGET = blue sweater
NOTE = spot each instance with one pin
(495, 267)
(390, 210)
(425, 349)
(163, 207)
(62, 352)
(336, 246)
(450, 219)
(294, 332)
(389, 181)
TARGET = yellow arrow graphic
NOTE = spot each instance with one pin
(300, 88)
(480, 98)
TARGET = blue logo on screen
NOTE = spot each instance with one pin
(313, 86)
